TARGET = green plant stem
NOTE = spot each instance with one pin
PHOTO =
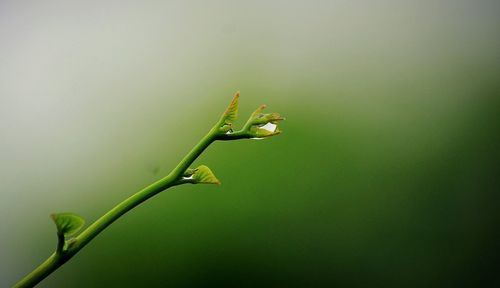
(222, 130)
(62, 255)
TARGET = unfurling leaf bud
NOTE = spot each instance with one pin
(67, 223)
(261, 125)
(231, 112)
(262, 131)
(202, 175)
(226, 128)
(189, 172)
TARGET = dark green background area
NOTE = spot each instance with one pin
(385, 174)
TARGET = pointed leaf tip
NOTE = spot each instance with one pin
(204, 175)
(258, 111)
(67, 223)
(231, 112)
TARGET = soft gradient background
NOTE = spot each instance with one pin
(386, 174)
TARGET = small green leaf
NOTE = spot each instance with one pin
(204, 175)
(261, 125)
(231, 112)
(258, 117)
(267, 118)
(67, 223)
(263, 131)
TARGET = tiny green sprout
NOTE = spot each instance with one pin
(200, 175)
(231, 112)
(67, 223)
(203, 175)
(258, 126)
(71, 239)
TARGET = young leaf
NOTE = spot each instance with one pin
(263, 131)
(232, 110)
(67, 223)
(204, 175)
(258, 117)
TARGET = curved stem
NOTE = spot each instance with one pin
(168, 181)
(66, 249)
(61, 256)
(42, 271)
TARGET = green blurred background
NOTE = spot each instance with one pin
(386, 174)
